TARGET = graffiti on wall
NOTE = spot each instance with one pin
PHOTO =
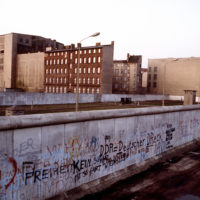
(64, 166)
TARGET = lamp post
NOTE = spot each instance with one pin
(164, 80)
(77, 79)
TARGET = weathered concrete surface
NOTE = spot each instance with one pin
(27, 98)
(42, 156)
(177, 178)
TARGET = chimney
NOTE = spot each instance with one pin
(98, 44)
(79, 45)
(112, 43)
(128, 56)
(72, 46)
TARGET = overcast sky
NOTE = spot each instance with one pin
(151, 28)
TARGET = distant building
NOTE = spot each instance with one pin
(95, 72)
(127, 75)
(173, 75)
(13, 44)
(30, 72)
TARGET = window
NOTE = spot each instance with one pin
(57, 80)
(54, 71)
(50, 71)
(70, 75)
(89, 60)
(154, 84)
(79, 90)
(71, 55)
(98, 70)
(74, 80)
(84, 51)
(99, 59)
(149, 69)
(116, 85)
(75, 60)
(75, 52)
(47, 62)
(50, 62)
(70, 85)
(149, 84)
(155, 77)
(61, 70)
(54, 61)
(53, 90)
(155, 69)
(58, 54)
(88, 70)
(99, 50)
(80, 51)
(65, 60)
(92, 90)
(62, 53)
(58, 61)
(65, 80)
(94, 59)
(149, 76)
(46, 71)
(97, 91)
(70, 66)
(83, 80)
(46, 80)
(65, 89)
(93, 70)
(74, 90)
(84, 60)
(80, 60)
(61, 61)
(49, 80)
(98, 82)
(93, 81)
(117, 72)
(61, 80)
(94, 51)
(57, 71)
(88, 80)
(49, 89)
(79, 80)
(79, 70)
(65, 70)
(88, 90)
(50, 54)
(90, 51)
(83, 90)
(75, 70)
(61, 89)
(84, 70)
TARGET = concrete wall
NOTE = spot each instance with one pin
(45, 155)
(26, 98)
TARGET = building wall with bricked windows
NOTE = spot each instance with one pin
(174, 75)
(60, 72)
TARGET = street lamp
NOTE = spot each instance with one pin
(77, 79)
(164, 79)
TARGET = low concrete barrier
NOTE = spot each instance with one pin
(27, 98)
(49, 154)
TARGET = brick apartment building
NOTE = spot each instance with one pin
(95, 72)
(127, 76)
(11, 46)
